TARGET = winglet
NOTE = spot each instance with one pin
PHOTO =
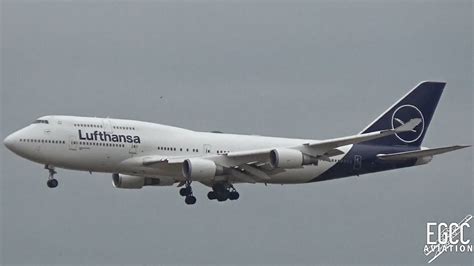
(408, 126)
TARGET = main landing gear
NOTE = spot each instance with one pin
(223, 192)
(52, 182)
(187, 192)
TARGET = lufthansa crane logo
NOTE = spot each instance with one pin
(402, 115)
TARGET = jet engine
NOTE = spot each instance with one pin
(137, 182)
(200, 169)
(290, 158)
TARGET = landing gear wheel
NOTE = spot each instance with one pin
(190, 200)
(211, 195)
(52, 183)
(222, 196)
(222, 192)
(234, 195)
(185, 191)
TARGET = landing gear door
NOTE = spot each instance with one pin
(73, 143)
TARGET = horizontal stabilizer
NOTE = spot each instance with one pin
(419, 153)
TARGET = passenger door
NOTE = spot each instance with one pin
(107, 124)
(206, 148)
(357, 163)
(73, 143)
(133, 149)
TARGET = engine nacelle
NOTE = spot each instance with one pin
(200, 169)
(137, 182)
(289, 158)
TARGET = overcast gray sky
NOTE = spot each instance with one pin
(311, 70)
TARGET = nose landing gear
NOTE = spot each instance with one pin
(52, 182)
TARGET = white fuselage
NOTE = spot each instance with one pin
(106, 145)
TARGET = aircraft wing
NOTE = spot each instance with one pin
(419, 153)
(328, 147)
(253, 165)
(322, 147)
(155, 161)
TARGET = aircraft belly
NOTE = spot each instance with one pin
(85, 159)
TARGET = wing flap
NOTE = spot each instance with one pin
(256, 172)
(242, 177)
(153, 160)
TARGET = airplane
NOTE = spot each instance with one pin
(139, 154)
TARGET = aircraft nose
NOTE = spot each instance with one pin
(9, 141)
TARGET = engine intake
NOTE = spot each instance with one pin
(200, 169)
(289, 158)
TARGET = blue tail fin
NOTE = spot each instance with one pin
(420, 102)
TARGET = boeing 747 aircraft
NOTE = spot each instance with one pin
(139, 154)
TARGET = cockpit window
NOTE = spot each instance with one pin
(40, 121)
